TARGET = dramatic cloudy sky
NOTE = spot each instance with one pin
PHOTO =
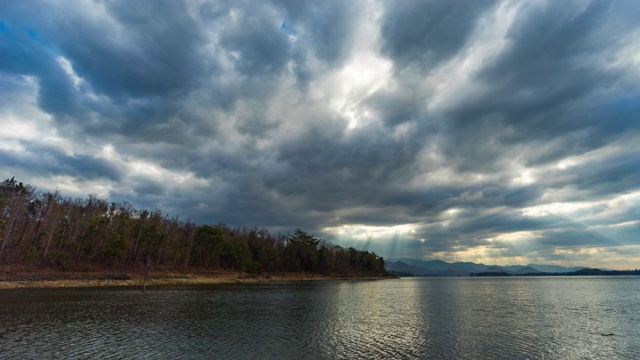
(501, 132)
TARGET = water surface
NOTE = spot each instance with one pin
(439, 318)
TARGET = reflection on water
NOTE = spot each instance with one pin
(473, 318)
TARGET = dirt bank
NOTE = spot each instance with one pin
(16, 277)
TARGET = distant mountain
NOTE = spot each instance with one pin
(512, 268)
(496, 269)
(443, 268)
(554, 268)
(400, 266)
(433, 265)
(493, 271)
(527, 270)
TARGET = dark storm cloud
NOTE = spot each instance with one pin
(213, 112)
(546, 40)
(326, 26)
(51, 161)
(145, 49)
(596, 179)
(27, 54)
(615, 175)
(575, 237)
(542, 87)
(129, 56)
(330, 171)
(398, 107)
(261, 46)
(423, 33)
(324, 32)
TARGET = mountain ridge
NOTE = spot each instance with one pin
(419, 267)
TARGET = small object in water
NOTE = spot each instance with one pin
(607, 334)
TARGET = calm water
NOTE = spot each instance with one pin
(451, 318)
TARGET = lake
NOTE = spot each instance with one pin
(411, 318)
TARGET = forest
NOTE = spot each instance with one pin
(47, 229)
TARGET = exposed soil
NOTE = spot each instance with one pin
(16, 276)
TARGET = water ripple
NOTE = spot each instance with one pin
(554, 318)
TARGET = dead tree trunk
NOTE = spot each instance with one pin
(146, 273)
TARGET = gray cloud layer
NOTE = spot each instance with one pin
(478, 130)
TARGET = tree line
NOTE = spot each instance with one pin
(48, 229)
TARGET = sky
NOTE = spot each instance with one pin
(502, 132)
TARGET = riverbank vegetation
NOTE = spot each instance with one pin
(49, 230)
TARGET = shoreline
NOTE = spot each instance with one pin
(53, 280)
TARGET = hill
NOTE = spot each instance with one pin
(442, 268)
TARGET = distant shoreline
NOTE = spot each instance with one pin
(72, 279)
